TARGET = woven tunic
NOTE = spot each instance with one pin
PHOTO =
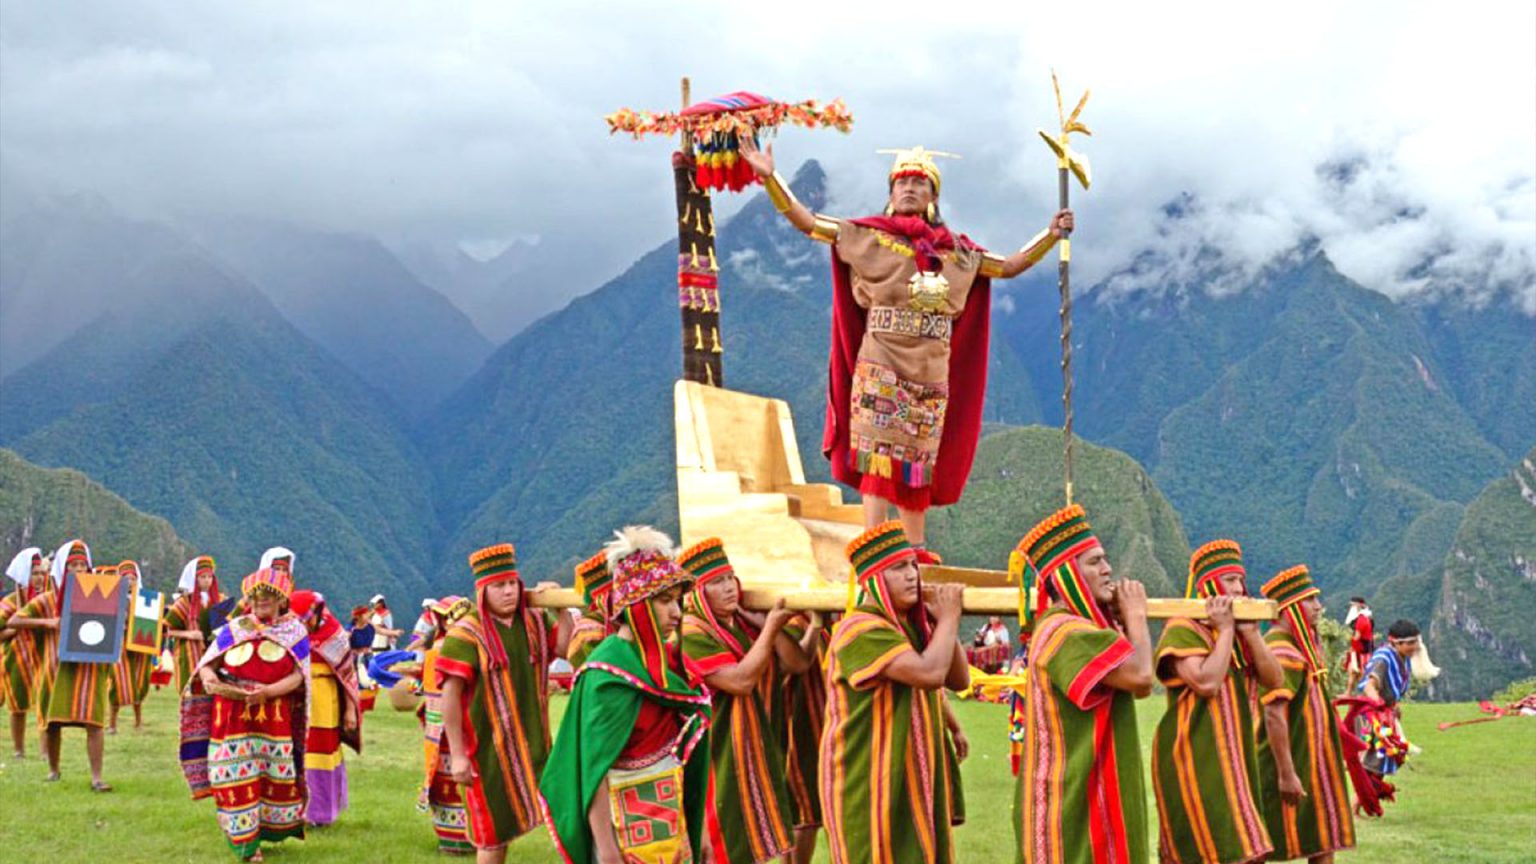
(886, 775)
(1204, 760)
(1079, 797)
(1322, 821)
(901, 381)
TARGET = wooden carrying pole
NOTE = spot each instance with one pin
(977, 601)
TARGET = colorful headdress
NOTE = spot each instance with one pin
(490, 565)
(707, 562)
(1045, 561)
(1211, 562)
(594, 580)
(716, 126)
(275, 554)
(870, 555)
(188, 584)
(188, 580)
(917, 162)
(1207, 566)
(447, 609)
(125, 568)
(1288, 588)
(73, 551)
(269, 582)
(640, 558)
(20, 568)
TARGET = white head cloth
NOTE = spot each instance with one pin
(20, 569)
(188, 580)
(61, 559)
(275, 553)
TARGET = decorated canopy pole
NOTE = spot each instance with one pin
(710, 158)
(1076, 164)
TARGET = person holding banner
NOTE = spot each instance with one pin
(593, 580)
(74, 693)
(130, 675)
(19, 661)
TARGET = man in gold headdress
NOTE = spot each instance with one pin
(910, 310)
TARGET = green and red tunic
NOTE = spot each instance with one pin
(19, 659)
(752, 805)
(1204, 760)
(589, 631)
(506, 717)
(1322, 822)
(187, 652)
(71, 694)
(886, 773)
(804, 698)
(1080, 798)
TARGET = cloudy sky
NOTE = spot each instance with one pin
(1403, 135)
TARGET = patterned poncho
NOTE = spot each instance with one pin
(1204, 759)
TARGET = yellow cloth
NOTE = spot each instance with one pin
(324, 713)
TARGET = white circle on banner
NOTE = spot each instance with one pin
(92, 633)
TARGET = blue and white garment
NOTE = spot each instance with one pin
(1399, 673)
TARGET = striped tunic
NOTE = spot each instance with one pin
(506, 723)
(19, 657)
(804, 698)
(68, 694)
(186, 652)
(1204, 760)
(130, 677)
(1322, 821)
(751, 802)
(1079, 797)
(585, 636)
(885, 770)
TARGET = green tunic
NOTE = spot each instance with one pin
(506, 719)
(1204, 760)
(585, 636)
(1080, 798)
(186, 653)
(73, 694)
(804, 698)
(19, 663)
(886, 772)
(746, 757)
(1321, 822)
(605, 703)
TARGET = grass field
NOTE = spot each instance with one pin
(1469, 797)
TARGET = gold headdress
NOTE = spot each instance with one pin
(917, 162)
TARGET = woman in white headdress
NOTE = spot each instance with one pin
(18, 653)
(187, 619)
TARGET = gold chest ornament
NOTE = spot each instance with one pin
(928, 291)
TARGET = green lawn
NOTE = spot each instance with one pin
(1470, 797)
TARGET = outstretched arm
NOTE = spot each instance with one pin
(1006, 267)
(784, 201)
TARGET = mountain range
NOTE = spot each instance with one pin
(262, 384)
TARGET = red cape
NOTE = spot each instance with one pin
(967, 372)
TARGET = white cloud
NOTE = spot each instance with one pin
(481, 122)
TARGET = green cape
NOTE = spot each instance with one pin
(605, 701)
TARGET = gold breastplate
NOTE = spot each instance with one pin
(928, 292)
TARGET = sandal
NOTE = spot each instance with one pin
(100, 786)
(53, 777)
